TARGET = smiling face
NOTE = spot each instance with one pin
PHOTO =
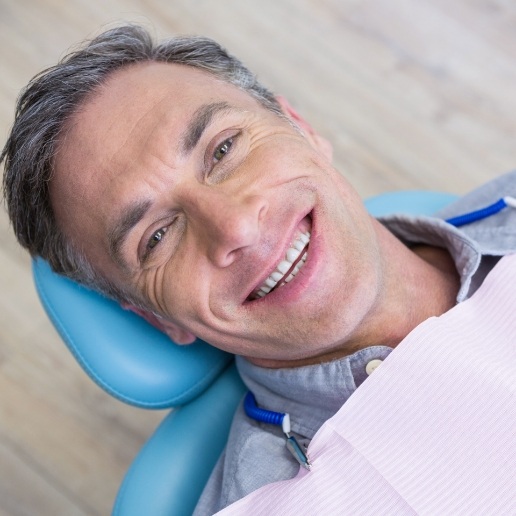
(189, 192)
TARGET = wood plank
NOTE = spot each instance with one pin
(412, 94)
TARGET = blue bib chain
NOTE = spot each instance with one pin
(483, 213)
(276, 418)
(283, 419)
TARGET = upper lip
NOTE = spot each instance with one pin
(272, 264)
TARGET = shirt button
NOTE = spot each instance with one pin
(372, 365)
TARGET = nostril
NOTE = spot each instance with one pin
(228, 239)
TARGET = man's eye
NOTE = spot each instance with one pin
(156, 238)
(222, 149)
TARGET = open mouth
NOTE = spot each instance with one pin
(292, 263)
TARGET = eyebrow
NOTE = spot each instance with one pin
(129, 218)
(200, 121)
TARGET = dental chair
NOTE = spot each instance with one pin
(139, 365)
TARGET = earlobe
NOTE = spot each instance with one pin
(178, 335)
(174, 332)
(315, 139)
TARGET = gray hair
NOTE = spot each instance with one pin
(50, 100)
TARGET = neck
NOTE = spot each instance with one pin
(421, 282)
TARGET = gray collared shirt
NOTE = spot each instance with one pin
(256, 454)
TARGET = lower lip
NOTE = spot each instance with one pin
(294, 289)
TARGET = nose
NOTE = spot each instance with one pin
(228, 223)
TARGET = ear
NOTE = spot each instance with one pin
(175, 332)
(315, 139)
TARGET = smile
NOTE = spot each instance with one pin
(293, 261)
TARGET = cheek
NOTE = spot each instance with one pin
(273, 163)
(182, 289)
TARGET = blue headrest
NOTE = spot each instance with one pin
(135, 362)
(120, 351)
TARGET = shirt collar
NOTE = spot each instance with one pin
(464, 251)
(310, 394)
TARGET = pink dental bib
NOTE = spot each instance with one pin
(431, 432)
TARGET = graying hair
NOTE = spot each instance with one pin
(53, 96)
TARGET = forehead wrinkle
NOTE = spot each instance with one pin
(119, 231)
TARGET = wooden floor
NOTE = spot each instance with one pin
(412, 93)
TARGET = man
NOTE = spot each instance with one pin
(169, 179)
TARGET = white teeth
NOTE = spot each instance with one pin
(284, 266)
(299, 245)
(276, 276)
(293, 255)
(270, 282)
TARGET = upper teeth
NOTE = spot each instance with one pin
(283, 267)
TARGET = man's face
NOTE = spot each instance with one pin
(187, 190)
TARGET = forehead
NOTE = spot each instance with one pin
(140, 112)
(140, 98)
